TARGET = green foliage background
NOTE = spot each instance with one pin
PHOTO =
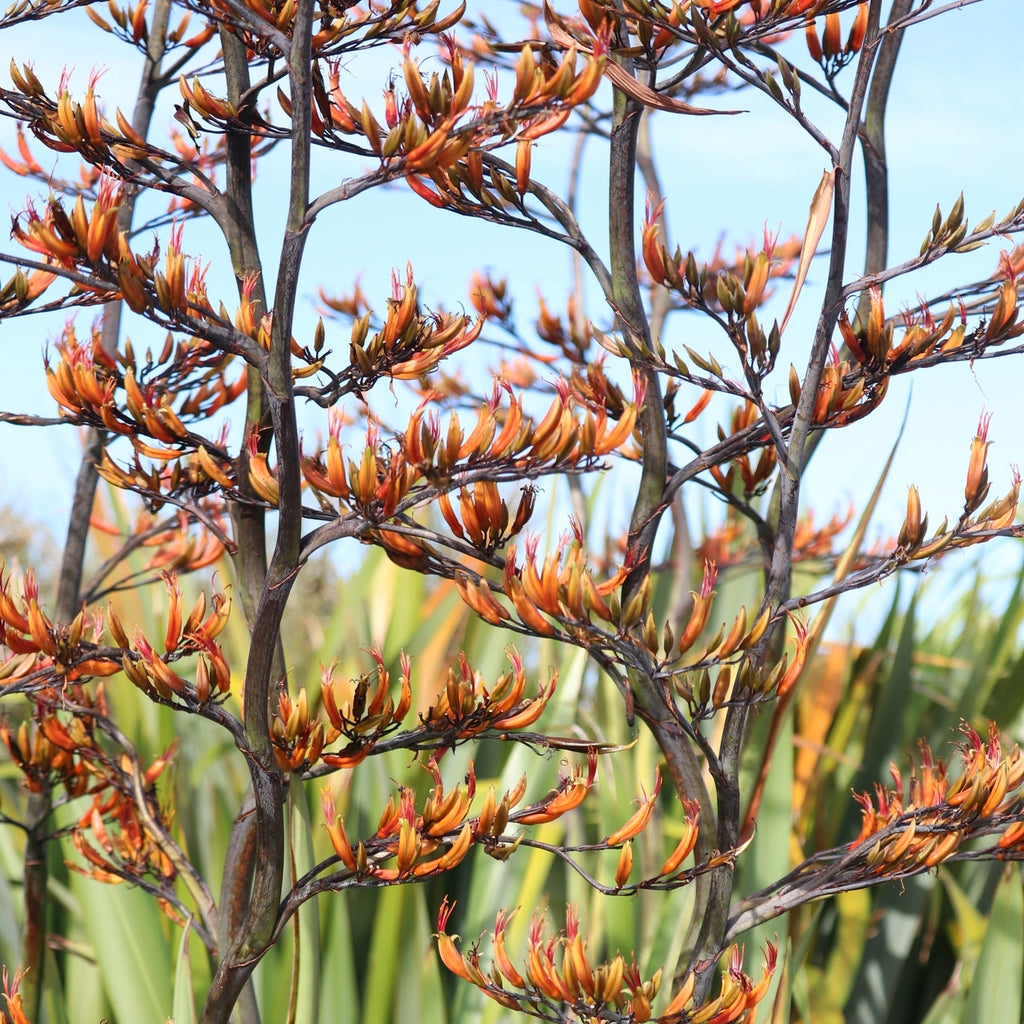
(938, 949)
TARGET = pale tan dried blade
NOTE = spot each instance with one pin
(556, 26)
(623, 80)
(821, 205)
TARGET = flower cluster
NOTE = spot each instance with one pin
(411, 843)
(976, 522)
(156, 399)
(739, 286)
(559, 977)
(874, 345)
(504, 441)
(174, 545)
(51, 750)
(68, 652)
(192, 635)
(118, 843)
(843, 396)
(829, 50)
(359, 714)
(754, 477)
(920, 823)
(130, 24)
(36, 644)
(362, 712)
(117, 834)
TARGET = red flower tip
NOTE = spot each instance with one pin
(444, 913)
(983, 423)
(710, 575)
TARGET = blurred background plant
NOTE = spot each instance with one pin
(945, 947)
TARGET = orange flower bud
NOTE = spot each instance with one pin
(638, 821)
(855, 40)
(625, 865)
(523, 151)
(685, 845)
(831, 41)
(914, 527)
(977, 484)
(793, 672)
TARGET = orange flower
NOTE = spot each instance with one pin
(976, 488)
(571, 793)
(15, 1007)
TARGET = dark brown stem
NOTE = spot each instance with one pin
(240, 234)
(876, 170)
(650, 503)
(37, 817)
(681, 758)
(661, 298)
(72, 563)
(247, 946)
(247, 516)
(781, 566)
(713, 932)
(654, 705)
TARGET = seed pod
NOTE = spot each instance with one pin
(722, 686)
(625, 865)
(668, 641)
(650, 634)
(704, 688)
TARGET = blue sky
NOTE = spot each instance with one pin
(955, 123)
